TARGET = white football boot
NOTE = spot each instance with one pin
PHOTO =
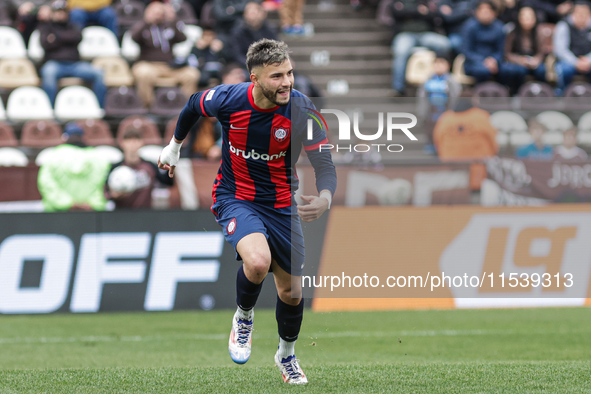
(240, 341)
(290, 370)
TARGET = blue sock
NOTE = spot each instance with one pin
(247, 292)
(289, 319)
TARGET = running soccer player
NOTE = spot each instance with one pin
(253, 192)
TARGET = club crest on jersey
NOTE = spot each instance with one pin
(280, 133)
(231, 227)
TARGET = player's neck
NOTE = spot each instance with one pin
(260, 100)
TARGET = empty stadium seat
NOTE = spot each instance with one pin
(553, 138)
(507, 123)
(129, 48)
(186, 14)
(584, 126)
(41, 134)
(168, 102)
(150, 153)
(115, 70)
(35, 50)
(96, 132)
(183, 49)
(554, 121)
(28, 102)
(44, 156)
(536, 96)
(7, 137)
(110, 153)
(12, 43)
(491, 96)
(577, 96)
(77, 102)
(129, 12)
(124, 101)
(98, 41)
(420, 67)
(458, 71)
(12, 157)
(144, 125)
(17, 72)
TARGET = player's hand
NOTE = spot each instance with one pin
(169, 158)
(313, 209)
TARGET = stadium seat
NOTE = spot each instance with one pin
(109, 153)
(419, 67)
(507, 123)
(168, 102)
(44, 156)
(12, 43)
(129, 48)
(186, 14)
(553, 138)
(124, 101)
(41, 134)
(584, 126)
(546, 33)
(115, 71)
(577, 96)
(150, 153)
(35, 50)
(458, 71)
(98, 41)
(12, 157)
(77, 102)
(183, 49)
(96, 132)
(2, 110)
(28, 102)
(5, 19)
(491, 96)
(17, 72)
(519, 138)
(536, 96)
(7, 137)
(129, 13)
(554, 121)
(144, 125)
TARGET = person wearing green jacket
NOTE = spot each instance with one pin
(74, 176)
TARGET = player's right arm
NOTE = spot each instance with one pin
(200, 104)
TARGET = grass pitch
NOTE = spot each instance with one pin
(456, 351)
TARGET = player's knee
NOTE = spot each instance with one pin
(259, 262)
(289, 297)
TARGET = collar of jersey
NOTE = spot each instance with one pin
(251, 99)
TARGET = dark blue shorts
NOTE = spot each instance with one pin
(281, 227)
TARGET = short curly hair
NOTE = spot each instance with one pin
(264, 52)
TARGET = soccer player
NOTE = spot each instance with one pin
(253, 191)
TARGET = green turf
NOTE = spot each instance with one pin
(458, 351)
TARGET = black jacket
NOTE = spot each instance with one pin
(64, 45)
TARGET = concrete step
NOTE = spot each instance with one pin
(375, 92)
(339, 39)
(304, 54)
(354, 81)
(353, 67)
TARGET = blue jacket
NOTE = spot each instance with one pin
(480, 41)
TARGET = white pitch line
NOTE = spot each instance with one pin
(218, 337)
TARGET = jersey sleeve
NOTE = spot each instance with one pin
(206, 103)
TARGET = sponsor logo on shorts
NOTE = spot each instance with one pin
(231, 227)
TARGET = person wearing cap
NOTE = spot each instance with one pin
(72, 178)
(60, 40)
(147, 174)
(572, 44)
(99, 12)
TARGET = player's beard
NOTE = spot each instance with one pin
(271, 95)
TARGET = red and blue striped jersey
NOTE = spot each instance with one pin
(260, 146)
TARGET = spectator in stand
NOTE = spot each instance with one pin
(454, 14)
(253, 28)
(417, 23)
(524, 49)
(292, 17)
(549, 11)
(28, 15)
(100, 12)
(436, 96)
(60, 41)
(483, 44)
(208, 58)
(569, 149)
(147, 175)
(572, 45)
(508, 11)
(73, 177)
(537, 150)
(227, 14)
(156, 35)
